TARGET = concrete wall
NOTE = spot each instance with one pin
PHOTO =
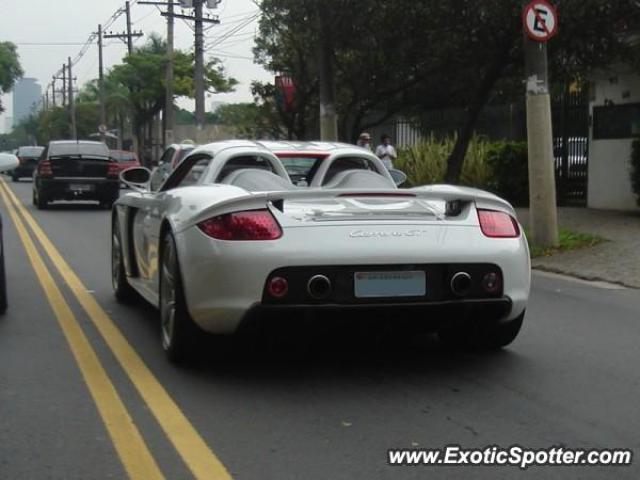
(210, 133)
(609, 185)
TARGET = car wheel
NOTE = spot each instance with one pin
(123, 291)
(178, 331)
(39, 200)
(3, 281)
(482, 335)
(15, 177)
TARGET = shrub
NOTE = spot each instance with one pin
(426, 162)
(508, 163)
(635, 169)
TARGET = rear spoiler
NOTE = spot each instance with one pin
(456, 199)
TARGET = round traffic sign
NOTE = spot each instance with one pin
(540, 20)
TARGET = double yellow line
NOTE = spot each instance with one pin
(132, 450)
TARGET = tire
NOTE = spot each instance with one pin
(15, 177)
(3, 280)
(179, 334)
(39, 200)
(123, 291)
(482, 335)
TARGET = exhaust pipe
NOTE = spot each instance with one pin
(461, 284)
(319, 287)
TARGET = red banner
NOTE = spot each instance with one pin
(285, 91)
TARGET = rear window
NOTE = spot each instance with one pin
(301, 167)
(121, 156)
(80, 148)
(30, 151)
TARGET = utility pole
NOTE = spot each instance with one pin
(64, 85)
(46, 100)
(72, 106)
(199, 20)
(540, 23)
(103, 108)
(129, 40)
(199, 64)
(168, 116)
(53, 92)
(168, 109)
(328, 117)
(127, 36)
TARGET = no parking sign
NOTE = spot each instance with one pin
(540, 20)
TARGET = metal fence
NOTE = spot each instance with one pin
(570, 113)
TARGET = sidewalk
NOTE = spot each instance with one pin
(616, 260)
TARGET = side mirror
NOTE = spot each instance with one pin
(399, 177)
(136, 178)
(8, 161)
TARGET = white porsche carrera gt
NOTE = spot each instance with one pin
(229, 238)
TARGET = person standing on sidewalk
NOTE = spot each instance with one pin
(364, 141)
(386, 152)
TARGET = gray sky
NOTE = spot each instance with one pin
(72, 21)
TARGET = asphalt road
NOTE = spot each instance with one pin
(572, 378)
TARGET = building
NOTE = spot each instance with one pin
(615, 114)
(26, 92)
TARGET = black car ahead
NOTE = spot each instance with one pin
(76, 170)
(28, 157)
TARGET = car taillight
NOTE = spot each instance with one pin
(498, 224)
(113, 170)
(44, 169)
(249, 225)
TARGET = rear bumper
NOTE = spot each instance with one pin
(417, 316)
(225, 281)
(66, 189)
(23, 171)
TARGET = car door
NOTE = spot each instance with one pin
(150, 218)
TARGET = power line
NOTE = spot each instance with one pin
(229, 33)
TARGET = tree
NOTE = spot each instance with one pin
(249, 120)
(404, 57)
(10, 69)
(142, 76)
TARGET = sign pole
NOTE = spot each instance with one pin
(540, 23)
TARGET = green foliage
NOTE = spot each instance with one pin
(142, 77)
(405, 57)
(635, 169)
(10, 69)
(567, 240)
(426, 162)
(510, 174)
(249, 120)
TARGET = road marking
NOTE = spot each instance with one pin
(126, 438)
(196, 454)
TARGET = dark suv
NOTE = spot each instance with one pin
(28, 157)
(76, 170)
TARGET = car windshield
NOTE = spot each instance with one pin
(75, 149)
(181, 154)
(302, 167)
(123, 157)
(30, 151)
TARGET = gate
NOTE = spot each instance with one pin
(570, 111)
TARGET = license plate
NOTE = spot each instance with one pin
(81, 187)
(390, 284)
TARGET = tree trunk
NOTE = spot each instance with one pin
(473, 110)
(456, 158)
